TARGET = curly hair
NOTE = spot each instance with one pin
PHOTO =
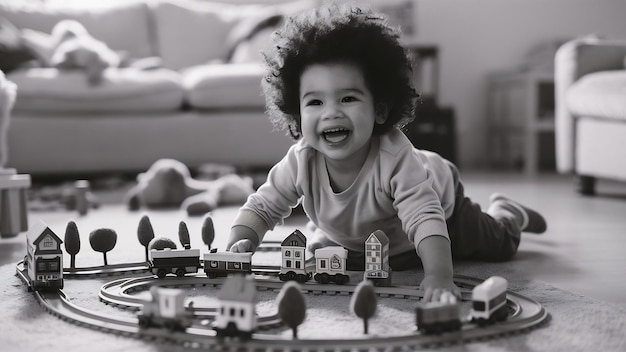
(333, 34)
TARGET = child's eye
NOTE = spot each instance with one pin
(313, 102)
(348, 99)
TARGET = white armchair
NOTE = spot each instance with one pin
(590, 98)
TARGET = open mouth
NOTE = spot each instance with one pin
(336, 135)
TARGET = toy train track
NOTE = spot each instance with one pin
(525, 313)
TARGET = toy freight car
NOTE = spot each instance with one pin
(175, 261)
(438, 317)
(489, 301)
(330, 265)
(165, 309)
(224, 263)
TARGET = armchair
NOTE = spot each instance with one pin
(590, 99)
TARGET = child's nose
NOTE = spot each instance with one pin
(331, 111)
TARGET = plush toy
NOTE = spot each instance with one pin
(168, 183)
(68, 47)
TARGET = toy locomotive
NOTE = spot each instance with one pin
(489, 301)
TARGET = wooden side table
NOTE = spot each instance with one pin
(520, 107)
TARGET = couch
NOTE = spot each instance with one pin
(203, 104)
(590, 99)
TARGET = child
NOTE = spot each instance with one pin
(339, 78)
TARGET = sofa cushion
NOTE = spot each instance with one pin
(127, 89)
(600, 94)
(192, 33)
(224, 86)
(124, 27)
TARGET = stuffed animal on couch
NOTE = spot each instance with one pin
(68, 47)
(168, 183)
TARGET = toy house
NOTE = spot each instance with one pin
(293, 248)
(44, 257)
(237, 307)
(377, 257)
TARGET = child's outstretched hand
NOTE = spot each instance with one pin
(242, 246)
(435, 286)
(242, 239)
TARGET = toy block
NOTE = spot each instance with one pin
(13, 212)
(81, 188)
(13, 215)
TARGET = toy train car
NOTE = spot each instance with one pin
(43, 262)
(165, 309)
(330, 265)
(236, 316)
(293, 261)
(224, 263)
(489, 301)
(438, 317)
(175, 261)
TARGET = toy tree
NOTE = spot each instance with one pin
(72, 242)
(103, 240)
(162, 243)
(363, 302)
(183, 235)
(145, 233)
(291, 306)
(208, 231)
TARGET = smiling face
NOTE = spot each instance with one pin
(337, 110)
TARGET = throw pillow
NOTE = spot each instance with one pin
(251, 37)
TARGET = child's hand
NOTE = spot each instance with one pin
(435, 286)
(242, 239)
(242, 246)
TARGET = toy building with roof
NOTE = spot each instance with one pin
(237, 307)
(44, 257)
(293, 251)
(377, 256)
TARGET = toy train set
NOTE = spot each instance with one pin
(235, 315)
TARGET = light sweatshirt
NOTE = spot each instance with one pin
(405, 192)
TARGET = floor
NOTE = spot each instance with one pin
(582, 251)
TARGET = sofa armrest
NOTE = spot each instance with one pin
(573, 60)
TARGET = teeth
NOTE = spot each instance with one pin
(335, 130)
(336, 135)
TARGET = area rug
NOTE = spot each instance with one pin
(575, 323)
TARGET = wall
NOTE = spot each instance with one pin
(477, 37)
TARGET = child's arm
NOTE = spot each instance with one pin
(436, 258)
(247, 232)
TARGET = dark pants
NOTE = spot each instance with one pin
(474, 235)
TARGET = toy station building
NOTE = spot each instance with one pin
(237, 304)
(377, 255)
(293, 251)
(44, 256)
